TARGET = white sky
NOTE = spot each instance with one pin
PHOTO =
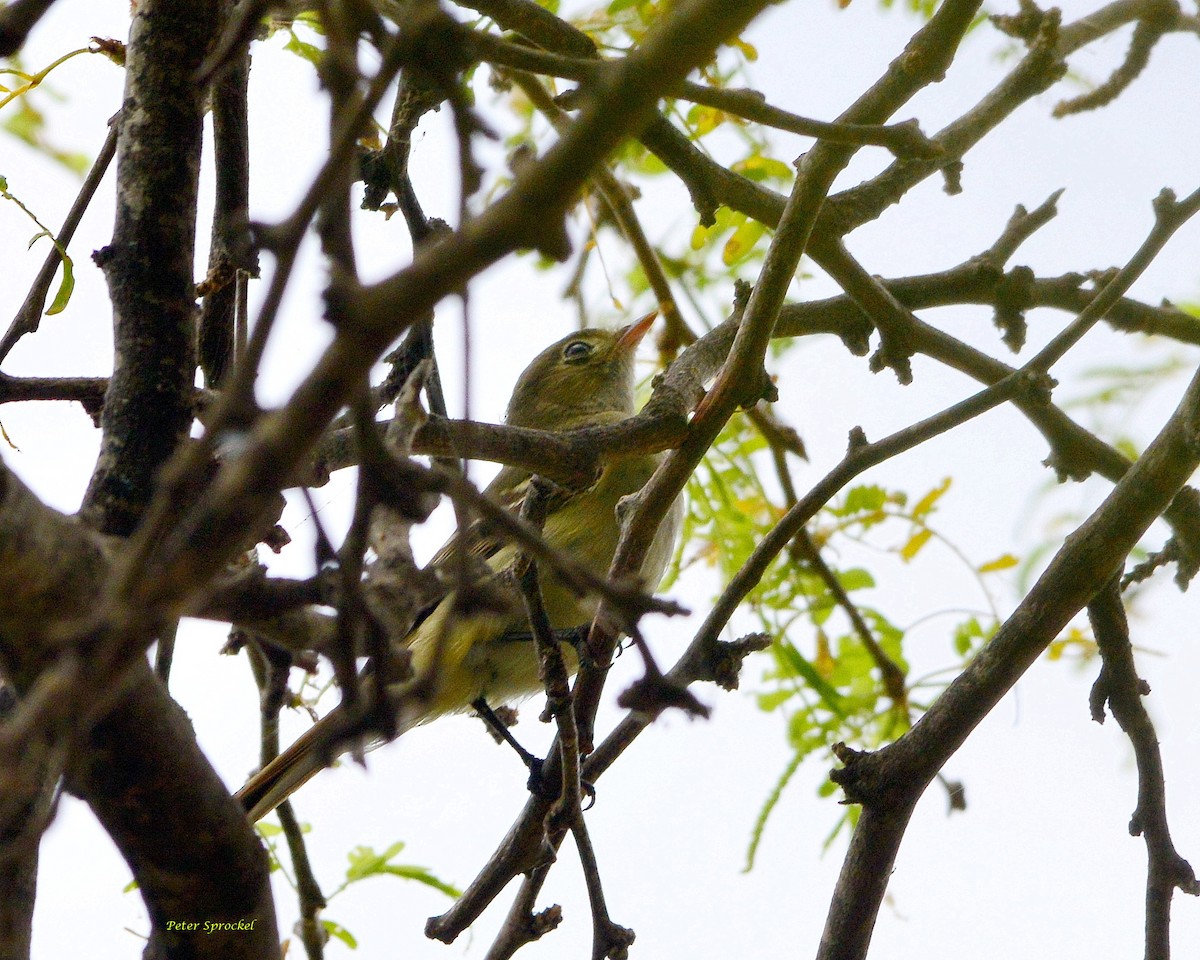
(1039, 866)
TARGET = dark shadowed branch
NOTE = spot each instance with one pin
(1119, 685)
(17, 19)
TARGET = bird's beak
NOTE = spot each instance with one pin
(632, 335)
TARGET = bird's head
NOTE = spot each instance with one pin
(579, 380)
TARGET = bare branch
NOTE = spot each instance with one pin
(28, 315)
(1156, 20)
(887, 783)
(743, 380)
(230, 256)
(1119, 685)
(17, 19)
(903, 139)
(617, 198)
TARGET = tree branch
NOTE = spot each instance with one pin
(741, 380)
(230, 255)
(158, 168)
(17, 19)
(903, 139)
(28, 315)
(889, 782)
(1119, 685)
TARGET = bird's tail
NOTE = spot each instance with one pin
(311, 753)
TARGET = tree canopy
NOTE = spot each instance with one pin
(886, 329)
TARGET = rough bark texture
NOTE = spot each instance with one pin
(149, 264)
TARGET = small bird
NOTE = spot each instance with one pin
(585, 379)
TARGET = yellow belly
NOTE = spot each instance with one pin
(491, 655)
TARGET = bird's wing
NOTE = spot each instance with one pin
(507, 490)
(308, 755)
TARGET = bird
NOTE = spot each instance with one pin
(486, 656)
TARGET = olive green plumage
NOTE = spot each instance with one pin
(585, 379)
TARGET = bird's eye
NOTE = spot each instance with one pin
(577, 351)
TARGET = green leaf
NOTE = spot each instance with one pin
(769, 805)
(864, 499)
(846, 821)
(8, 439)
(303, 49)
(831, 698)
(770, 701)
(337, 930)
(67, 285)
(967, 636)
(855, 579)
(422, 875)
(704, 120)
(365, 862)
(748, 50)
(1127, 446)
(65, 288)
(760, 168)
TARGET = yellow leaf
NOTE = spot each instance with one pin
(749, 51)
(1004, 562)
(758, 167)
(915, 543)
(925, 504)
(823, 662)
(706, 119)
(738, 246)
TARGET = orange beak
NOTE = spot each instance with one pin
(632, 335)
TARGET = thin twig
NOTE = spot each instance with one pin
(903, 139)
(231, 260)
(29, 313)
(888, 782)
(610, 941)
(1075, 452)
(619, 204)
(1169, 215)
(164, 653)
(1119, 685)
(271, 673)
(890, 672)
(1157, 19)
(521, 925)
(551, 665)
